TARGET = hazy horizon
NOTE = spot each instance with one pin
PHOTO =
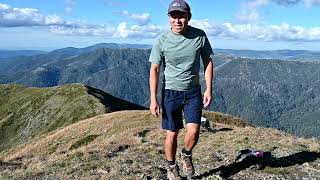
(48, 49)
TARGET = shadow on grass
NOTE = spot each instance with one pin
(206, 126)
(9, 165)
(204, 129)
(260, 163)
(224, 129)
(112, 103)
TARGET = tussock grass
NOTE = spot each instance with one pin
(225, 119)
(129, 145)
(84, 141)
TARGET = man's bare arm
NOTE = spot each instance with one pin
(208, 75)
(154, 79)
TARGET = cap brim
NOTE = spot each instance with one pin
(176, 9)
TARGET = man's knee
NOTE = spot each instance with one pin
(193, 129)
(171, 135)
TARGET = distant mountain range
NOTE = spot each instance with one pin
(285, 54)
(77, 51)
(293, 55)
(266, 92)
(15, 53)
(70, 51)
(271, 93)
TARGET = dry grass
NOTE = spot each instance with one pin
(225, 119)
(129, 145)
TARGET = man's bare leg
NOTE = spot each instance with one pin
(192, 136)
(190, 140)
(170, 146)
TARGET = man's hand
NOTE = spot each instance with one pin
(207, 96)
(154, 108)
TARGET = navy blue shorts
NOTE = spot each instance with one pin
(174, 103)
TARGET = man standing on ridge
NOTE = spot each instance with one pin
(179, 51)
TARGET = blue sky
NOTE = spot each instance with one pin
(231, 24)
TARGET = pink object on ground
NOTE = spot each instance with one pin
(258, 153)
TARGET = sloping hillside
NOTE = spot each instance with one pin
(271, 93)
(285, 54)
(15, 53)
(29, 112)
(129, 145)
(266, 92)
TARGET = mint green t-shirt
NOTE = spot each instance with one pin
(180, 55)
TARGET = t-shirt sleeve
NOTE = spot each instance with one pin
(156, 53)
(206, 49)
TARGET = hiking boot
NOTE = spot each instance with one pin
(187, 166)
(173, 172)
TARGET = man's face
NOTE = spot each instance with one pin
(178, 21)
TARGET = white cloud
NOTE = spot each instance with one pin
(260, 32)
(137, 32)
(83, 30)
(53, 20)
(143, 29)
(210, 28)
(248, 28)
(286, 2)
(250, 25)
(17, 17)
(141, 19)
(4, 6)
(253, 4)
(204, 24)
(313, 32)
(249, 12)
(247, 16)
(309, 3)
(122, 31)
(69, 4)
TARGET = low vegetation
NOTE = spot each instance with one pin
(27, 113)
(129, 145)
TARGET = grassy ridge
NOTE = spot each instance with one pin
(129, 145)
(29, 112)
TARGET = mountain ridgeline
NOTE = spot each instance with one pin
(265, 92)
(30, 112)
(117, 71)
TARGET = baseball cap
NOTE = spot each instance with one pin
(179, 5)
